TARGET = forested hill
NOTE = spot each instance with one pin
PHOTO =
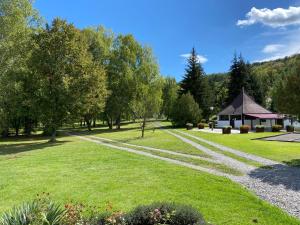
(268, 74)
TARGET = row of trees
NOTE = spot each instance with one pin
(57, 74)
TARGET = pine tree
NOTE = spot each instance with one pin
(195, 82)
(241, 76)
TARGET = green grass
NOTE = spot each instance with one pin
(197, 162)
(279, 151)
(85, 172)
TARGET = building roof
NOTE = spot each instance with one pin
(244, 104)
(265, 116)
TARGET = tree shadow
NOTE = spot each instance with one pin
(10, 149)
(280, 174)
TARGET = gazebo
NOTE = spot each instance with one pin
(245, 111)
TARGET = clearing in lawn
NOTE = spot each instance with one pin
(73, 169)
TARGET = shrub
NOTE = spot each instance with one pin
(164, 213)
(226, 130)
(260, 128)
(201, 125)
(276, 128)
(35, 212)
(186, 110)
(41, 212)
(290, 128)
(244, 129)
(189, 126)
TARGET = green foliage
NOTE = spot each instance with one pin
(287, 93)
(241, 76)
(164, 213)
(196, 83)
(185, 111)
(169, 96)
(147, 96)
(122, 68)
(38, 212)
(70, 82)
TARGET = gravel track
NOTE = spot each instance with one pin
(226, 160)
(160, 150)
(259, 159)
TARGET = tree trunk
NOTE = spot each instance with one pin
(53, 135)
(94, 123)
(28, 126)
(118, 123)
(143, 127)
(109, 122)
(17, 131)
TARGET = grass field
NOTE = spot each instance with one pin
(81, 171)
(279, 151)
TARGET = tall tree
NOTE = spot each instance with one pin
(121, 69)
(63, 66)
(241, 76)
(169, 96)
(18, 21)
(195, 82)
(147, 97)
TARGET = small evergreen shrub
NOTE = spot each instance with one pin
(189, 126)
(226, 130)
(244, 129)
(185, 110)
(164, 213)
(290, 128)
(201, 125)
(259, 128)
(276, 128)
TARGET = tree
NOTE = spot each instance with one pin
(287, 93)
(169, 96)
(195, 82)
(121, 70)
(186, 110)
(241, 76)
(147, 97)
(18, 21)
(65, 69)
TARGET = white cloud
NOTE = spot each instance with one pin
(291, 47)
(272, 48)
(201, 59)
(278, 17)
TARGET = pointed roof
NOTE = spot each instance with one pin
(244, 104)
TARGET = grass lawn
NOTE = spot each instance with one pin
(279, 151)
(89, 173)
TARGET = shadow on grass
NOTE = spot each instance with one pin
(10, 149)
(280, 174)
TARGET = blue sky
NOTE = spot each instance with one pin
(173, 27)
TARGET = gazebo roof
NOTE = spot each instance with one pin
(244, 104)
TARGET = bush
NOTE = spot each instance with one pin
(226, 130)
(36, 212)
(290, 128)
(244, 129)
(186, 110)
(276, 128)
(41, 212)
(260, 128)
(189, 126)
(201, 125)
(164, 213)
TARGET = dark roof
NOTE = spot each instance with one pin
(244, 104)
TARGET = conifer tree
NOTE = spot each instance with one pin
(241, 76)
(195, 82)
